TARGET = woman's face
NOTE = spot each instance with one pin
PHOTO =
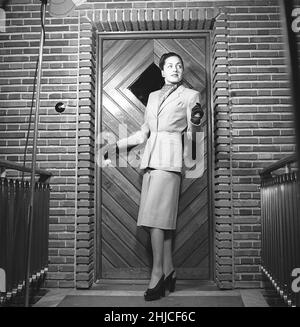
(173, 70)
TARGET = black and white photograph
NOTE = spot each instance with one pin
(149, 155)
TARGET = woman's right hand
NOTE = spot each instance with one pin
(111, 151)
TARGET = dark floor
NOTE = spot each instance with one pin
(271, 296)
(112, 294)
(131, 294)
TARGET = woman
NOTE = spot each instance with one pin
(170, 112)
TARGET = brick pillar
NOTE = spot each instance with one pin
(85, 223)
(223, 165)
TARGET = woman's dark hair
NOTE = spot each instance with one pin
(165, 56)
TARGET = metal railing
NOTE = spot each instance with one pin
(14, 205)
(280, 220)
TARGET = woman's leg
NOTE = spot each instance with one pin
(157, 243)
(168, 266)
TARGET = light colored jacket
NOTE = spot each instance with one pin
(163, 129)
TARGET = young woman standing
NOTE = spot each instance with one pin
(170, 112)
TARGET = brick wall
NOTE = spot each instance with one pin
(58, 132)
(261, 122)
(253, 124)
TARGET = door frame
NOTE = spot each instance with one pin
(189, 34)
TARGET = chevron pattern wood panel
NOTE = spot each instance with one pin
(126, 249)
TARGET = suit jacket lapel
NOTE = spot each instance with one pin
(154, 105)
(173, 96)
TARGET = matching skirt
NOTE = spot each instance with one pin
(159, 199)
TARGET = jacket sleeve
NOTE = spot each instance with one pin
(193, 152)
(137, 138)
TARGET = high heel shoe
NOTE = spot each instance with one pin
(170, 282)
(156, 292)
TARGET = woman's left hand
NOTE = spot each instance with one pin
(197, 114)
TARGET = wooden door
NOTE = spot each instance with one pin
(125, 248)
